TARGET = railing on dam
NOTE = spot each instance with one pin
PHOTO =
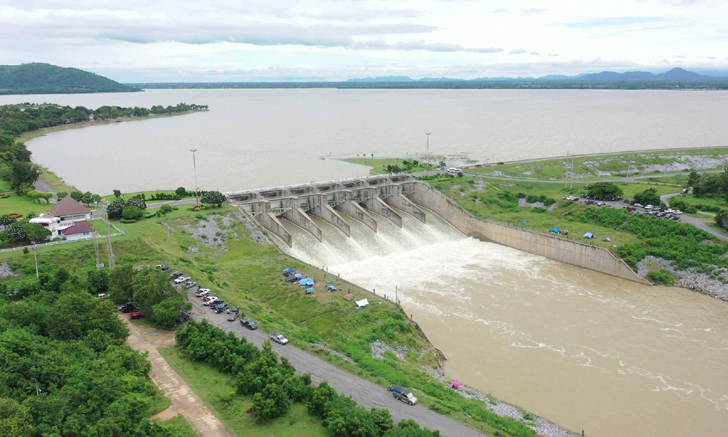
(393, 178)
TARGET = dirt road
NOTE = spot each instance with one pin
(184, 400)
(366, 393)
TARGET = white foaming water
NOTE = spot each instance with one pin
(584, 349)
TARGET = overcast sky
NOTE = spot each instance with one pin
(268, 40)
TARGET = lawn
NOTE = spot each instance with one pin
(22, 205)
(178, 426)
(378, 166)
(147, 194)
(217, 391)
(604, 166)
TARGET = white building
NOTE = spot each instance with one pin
(67, 219)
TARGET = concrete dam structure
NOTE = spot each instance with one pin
(388, 197)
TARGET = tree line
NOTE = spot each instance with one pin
(66, 370)
(274, 386)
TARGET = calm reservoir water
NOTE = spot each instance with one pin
(585, 350)
(259, 138)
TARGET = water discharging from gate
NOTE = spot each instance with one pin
(583, 349)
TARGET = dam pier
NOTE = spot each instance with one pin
(388, 197)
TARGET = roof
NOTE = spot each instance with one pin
(69, 206)
(78, 228)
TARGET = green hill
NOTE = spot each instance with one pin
(40, 78)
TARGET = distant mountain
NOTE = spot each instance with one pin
(40, 78)
(676, 75)
(439, 79)
(383, 79)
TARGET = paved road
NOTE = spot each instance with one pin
(184, 400)
(366, 393)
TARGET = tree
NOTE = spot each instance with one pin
(166, 312)
(138, 202)
(77, 195)
(61, 194)
(693, 179)
(151, 286)
(33, 196)
(648, 197)
(17, 232)
(96, 199)
(116, 208)
(6, 220)
(181, 192)
(604, 190)
(382, 420)
(75, 315)
(117, 194)
(132, 213)
(87, 198)
(98, 281)
(121, 280)
(271, 402)
(20, 173)
(46, 196)
(165, 209)
(35, 233)
(215, 198)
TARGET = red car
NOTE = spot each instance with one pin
(136, 314)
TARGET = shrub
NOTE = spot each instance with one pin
(132, 213)
(661, 277)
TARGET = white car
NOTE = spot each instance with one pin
(181, 279)
(202, 292)
(278, 338)
(210, 300)
(454, 170)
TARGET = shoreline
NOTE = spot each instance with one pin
(50, 181)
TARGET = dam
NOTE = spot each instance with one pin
(374, 199)
(606, 354)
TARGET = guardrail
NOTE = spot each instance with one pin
(312, 183)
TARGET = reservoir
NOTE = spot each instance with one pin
(582, 349)
(254, 138)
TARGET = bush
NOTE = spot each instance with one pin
(132, 213)
(661, 277)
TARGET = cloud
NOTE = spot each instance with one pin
(711, 57)
(517, 52)
(553, 55)
(611, 22)
(419, 45)
(535, 54)
(533, 11)
(499, 11)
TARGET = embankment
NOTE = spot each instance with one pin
(552, 247)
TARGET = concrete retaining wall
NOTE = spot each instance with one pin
(570, 252)
(300, 218)
(355, 211)
(400, 202)
(326, 213)
(377, 205)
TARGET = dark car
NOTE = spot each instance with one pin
(175, 275)
(233, 316)
(249, 324)
(126, 308)
(292, 279)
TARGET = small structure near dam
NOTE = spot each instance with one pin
(391, 195)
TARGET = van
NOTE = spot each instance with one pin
(454, 170)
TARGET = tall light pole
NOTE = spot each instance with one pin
(427, 169)
(194, 165)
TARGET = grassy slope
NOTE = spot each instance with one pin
(249, 275)
(178, 427)
(217, 391)
(378, 165)
(463, 191)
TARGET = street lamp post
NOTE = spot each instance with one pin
(194, 165)
(427, 169)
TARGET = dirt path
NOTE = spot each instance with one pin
(184, 400)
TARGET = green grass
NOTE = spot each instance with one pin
(692, 200)
(148, 195)
(378, 165)
(464, 192)
(217, 391)
(178, 426)
(618, 165)
(22, 205)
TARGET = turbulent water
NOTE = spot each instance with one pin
(585, 350)
(263, 138)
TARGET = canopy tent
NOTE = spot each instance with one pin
(310, 290)
(588, 235)
(456, 384)
(555, 230)
(328, 282)
(361, 303)
(298, 275)
(331, 288)
(607, 239)
(306, 281)
(289, 270)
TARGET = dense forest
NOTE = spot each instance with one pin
(38, 78)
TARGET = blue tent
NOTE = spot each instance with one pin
(588, 235)
(555, 230)
(289, 270)
(331, 288)
(310, 290)
(307, 281)
(298, 275)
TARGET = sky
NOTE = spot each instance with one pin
(283, 40)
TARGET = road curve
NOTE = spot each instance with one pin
(364, 392)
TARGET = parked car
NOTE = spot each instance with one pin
(103, 296)
(126, 308)
(175, 275)
(278, 338)
(181, 279)
(190, 284)
(202, 292)
(220, 307)
(162, 267)
(638, 205)
(249, 324)
(454, 170)
(402, 394)
(233, 316)
(210, 300)
(136, 314)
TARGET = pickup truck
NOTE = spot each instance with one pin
(278, 338)
(403, 394)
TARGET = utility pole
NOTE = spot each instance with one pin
(194, 165)
(396, 294)
(427, 157)
(566, 171)
(96, 247)
(572, 170)
(109, 249)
